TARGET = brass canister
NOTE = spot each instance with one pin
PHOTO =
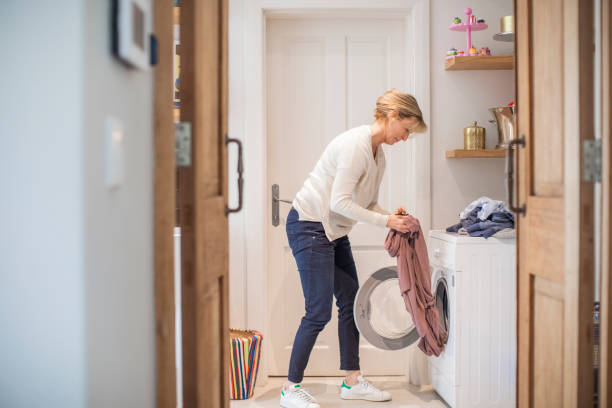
(474, 137)
(506, 24)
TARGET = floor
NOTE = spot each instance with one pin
(327, 392)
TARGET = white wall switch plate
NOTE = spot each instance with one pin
(113, 155)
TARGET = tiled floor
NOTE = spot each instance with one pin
(327, 392)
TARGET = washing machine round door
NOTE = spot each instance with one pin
(441, 298)
(380, 312)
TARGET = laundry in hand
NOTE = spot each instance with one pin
(415, 283)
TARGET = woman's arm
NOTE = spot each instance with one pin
(341, 198)
(374, 205)
(377, 208)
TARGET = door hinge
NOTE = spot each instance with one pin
(182, 144)
(591, 158)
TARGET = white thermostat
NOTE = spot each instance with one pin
(131, 30)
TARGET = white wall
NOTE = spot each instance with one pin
(118, 226)
(76, 273)
(237, 221)
(457, 99)
(42, 315)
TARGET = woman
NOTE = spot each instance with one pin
(340, 191)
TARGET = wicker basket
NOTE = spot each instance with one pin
(245, 353)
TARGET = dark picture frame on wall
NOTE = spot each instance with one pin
(131, 29)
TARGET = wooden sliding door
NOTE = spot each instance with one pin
(555, 234)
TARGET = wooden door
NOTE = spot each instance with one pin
(324, 76)
(555, 235)
(202, 202)
(605, 381)
(164, 208)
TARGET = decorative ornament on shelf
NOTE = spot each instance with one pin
(471, 24)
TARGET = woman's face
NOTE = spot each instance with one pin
(399, 129)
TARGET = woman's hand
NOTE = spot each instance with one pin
(401, 211)
(399, 223)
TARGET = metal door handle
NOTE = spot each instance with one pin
(240, 180)
(510, 175)
(275, 201)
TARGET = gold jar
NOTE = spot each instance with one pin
(506, 24)
(474, 137)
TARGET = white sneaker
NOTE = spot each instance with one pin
(297, 397)
(364, 390)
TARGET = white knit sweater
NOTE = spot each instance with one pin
(343, 187)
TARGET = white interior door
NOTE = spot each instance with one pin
(323, 77)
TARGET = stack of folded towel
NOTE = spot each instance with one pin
(485, 218)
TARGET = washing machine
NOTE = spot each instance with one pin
(474, 285)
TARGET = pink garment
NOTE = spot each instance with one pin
(415, 283)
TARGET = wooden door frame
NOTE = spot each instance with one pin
(248, 122)
(605, 344)
(164, 205)
(578, 382)
(579, 200)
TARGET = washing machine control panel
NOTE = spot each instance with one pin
(441, 253)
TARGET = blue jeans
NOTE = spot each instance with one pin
(326, 269)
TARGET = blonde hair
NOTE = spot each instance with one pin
(404, 105)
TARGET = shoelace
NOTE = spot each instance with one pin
(366, 384)
(304, 395)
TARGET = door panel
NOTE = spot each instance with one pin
(548, 342)
(547, 64)
(202, 198)
(323, 77)
(555, 251)
(546, 239)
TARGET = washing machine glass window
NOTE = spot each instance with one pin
(388, 311)
(441, 302)
(380, 312)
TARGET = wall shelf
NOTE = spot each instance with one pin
(475, 154)
(479, 62)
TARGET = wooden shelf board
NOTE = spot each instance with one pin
(482, 63)
(474, 154)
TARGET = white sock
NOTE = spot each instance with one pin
(288, 384)
(352, 378)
